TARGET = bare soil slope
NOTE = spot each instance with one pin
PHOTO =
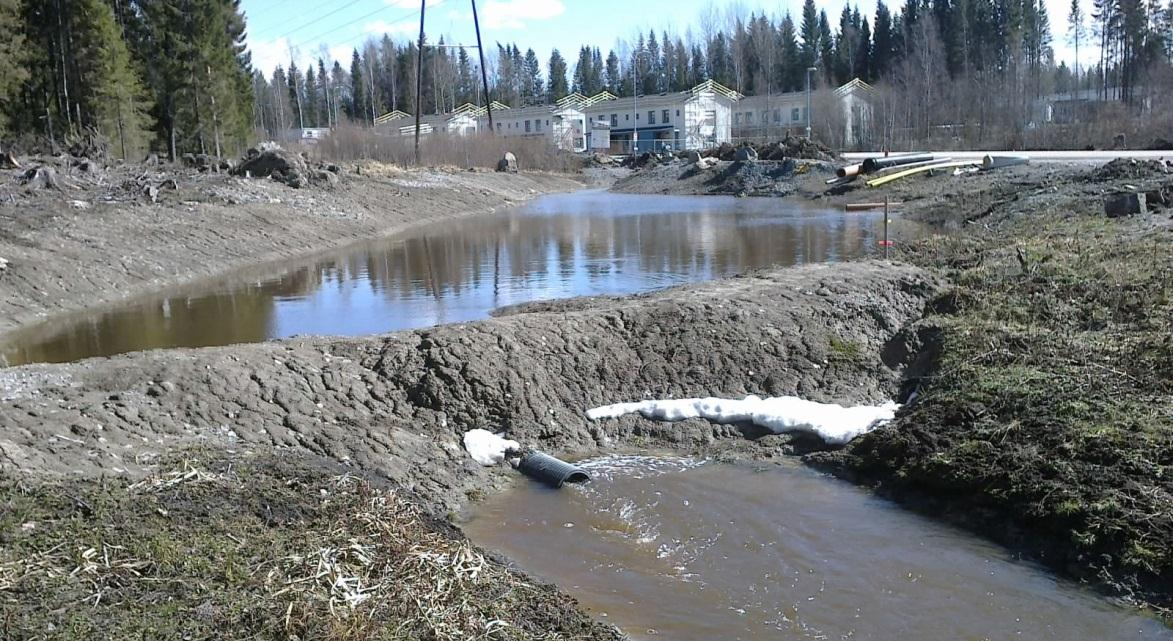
(100, 238)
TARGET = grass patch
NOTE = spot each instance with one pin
(1051, 405)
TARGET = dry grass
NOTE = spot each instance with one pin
(348, 144)
(255, 549)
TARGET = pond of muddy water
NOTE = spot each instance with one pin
(559, 246)
(679, 549)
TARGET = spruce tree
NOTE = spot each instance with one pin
(611, 75)
(358, 90)
(882, 47)
(13, 71)
(791, 70)
(557, 76)
(810, 34)
(115, 99)
(311, 98)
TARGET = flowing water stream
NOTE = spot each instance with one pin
(686, 550)
(559, 246)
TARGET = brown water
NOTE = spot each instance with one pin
(675, 549)
(585, 243)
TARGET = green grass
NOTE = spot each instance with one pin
(1051, 402)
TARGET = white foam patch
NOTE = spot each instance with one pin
(833, 423)
(486, 447)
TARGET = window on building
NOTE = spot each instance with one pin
(794, 114)
(627, 116)
(498, 126)
(527, 127)
(737, 118)
(677, 113)
(666, 116)
(651, 117)
(538, 125)
(777, 115)
(614, 120)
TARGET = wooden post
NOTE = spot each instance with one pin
(419, 80)
(484, 73)
(886, 242)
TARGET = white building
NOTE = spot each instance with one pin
(776, 115)
(693, 119)
(307, 135)
(563, 125)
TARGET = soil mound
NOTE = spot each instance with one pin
(788, 147)
(1130, 169)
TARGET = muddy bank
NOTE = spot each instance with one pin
(713, 177)
(397, 405)
(93, 241)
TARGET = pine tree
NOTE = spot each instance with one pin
(1076, 29)
(557, 76)
(13, 71)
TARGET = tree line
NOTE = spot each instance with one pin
(969, 61)
(170, 75)
(174, 75)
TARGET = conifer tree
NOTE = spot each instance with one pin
(358, 90)
(13, 70)
(557, 76)
(612, 77)
(116, 102)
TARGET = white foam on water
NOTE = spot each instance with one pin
(833, 423)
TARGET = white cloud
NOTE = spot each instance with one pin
(514, 14)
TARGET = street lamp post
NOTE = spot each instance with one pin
(635, 104)
(809, 71)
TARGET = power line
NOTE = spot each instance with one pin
(318, 19)
(356, 20)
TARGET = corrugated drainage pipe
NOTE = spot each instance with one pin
(550, 470)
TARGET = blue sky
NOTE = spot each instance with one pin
(308, 26)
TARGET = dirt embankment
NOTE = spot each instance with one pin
(98, 237)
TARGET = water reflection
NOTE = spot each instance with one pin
(587, 243)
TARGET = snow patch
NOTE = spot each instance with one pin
(486, 447)
(833, 423)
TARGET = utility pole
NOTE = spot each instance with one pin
(476, 23)
(419, 79)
